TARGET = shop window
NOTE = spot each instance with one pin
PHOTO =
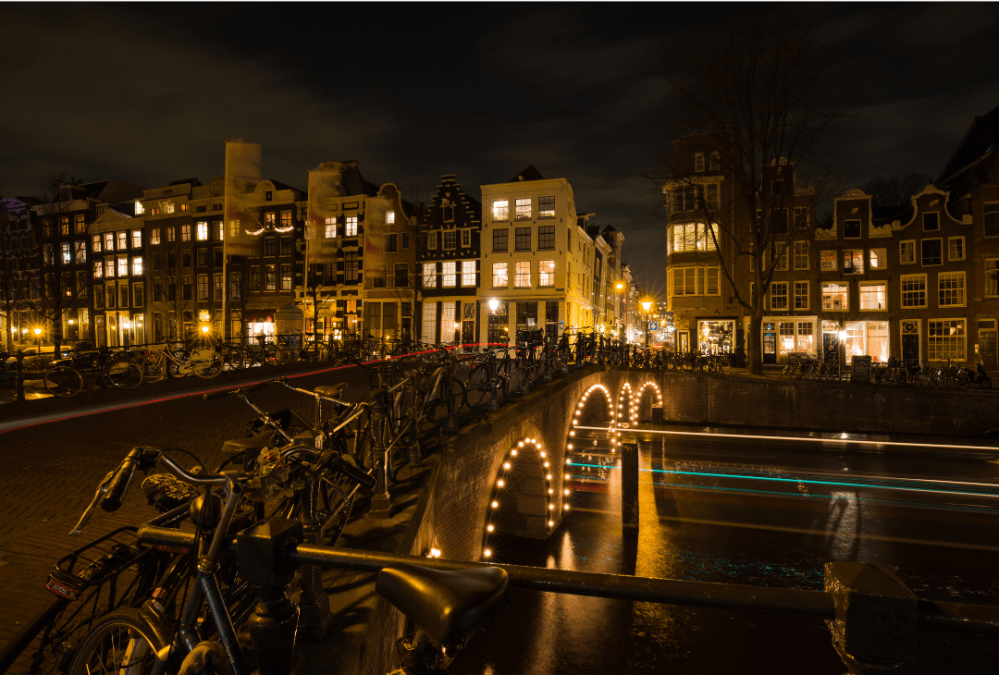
(868, 338)
(913, 287)
(835, 297)
(951, 289)
(947, 340)
(873, 296)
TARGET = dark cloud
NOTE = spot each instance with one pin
(147, 93)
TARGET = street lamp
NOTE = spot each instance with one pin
(646, 305)
(38, 340)
(493, 304)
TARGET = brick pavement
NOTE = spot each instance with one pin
(54, 452)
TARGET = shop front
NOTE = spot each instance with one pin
(716, 336)
(260, 324)
(856, 338)
(783, 335)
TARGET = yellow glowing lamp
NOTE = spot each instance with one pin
(205, 328)
(38, 331)
(646, 305)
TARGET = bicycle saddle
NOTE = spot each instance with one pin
(332, 390)
(446, 605)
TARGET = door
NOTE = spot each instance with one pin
(830, 346)
(987, 348)
(769, 342)
(683, 340)
(99, 331)
(910, 341)
(468, 333)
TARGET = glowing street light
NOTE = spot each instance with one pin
(493, 304)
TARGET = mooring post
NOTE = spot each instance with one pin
(629, 487)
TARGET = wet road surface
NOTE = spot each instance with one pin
(765, 511)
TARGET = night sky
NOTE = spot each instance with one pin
(147, 93)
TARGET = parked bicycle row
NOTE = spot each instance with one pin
(893, 372)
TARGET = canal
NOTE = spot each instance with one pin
(756, 510)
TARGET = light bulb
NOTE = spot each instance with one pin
(499, 483)
(513, 453)
(495, 504)
(489, 528)
(487, 553)
(506, 465)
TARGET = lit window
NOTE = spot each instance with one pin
(913, 288)
(501, 210)
(138, 208)
(390, 217)
(168, 207)
(203, 230)
(778, 295)
(429, 322)
(546, 207)
(501, 275)
(836, 297)
(123, 267)
(171, 233)
(331, 227)
(828, 261)
(546, 273)
(907, 252)
(154, 236)
(430, 275)
(136, 238)
(879, 258)
(523, 209)
(694, 237)
(951, 289)
(523, 275)
(448, 275)
(185, 233)
(122, 241)
(468, 273)
(853, 262)
(64, 226)
(80, 225)
(286, 279)
(873, 296)
(270, 220)
(109, 268)
(96, 243)
(351, 226)
(270, 277)
(80, 252)
(992, 276)
(98, 269)
(955, 248)
(67, 255)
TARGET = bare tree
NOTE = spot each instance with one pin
(896, 189)
(18, 259)
(320, 289)
(754, 106)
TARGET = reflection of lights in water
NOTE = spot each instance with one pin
(842, 525)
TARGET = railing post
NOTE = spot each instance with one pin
(629, 487)
(19, 377)
(381, 501)
(874, 630)
(313, 604)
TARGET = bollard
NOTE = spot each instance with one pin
(629, 487)
(19, 377)
(874, 630)
(274, 621)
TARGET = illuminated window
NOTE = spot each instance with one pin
(468, 273)
(867, 338)
(79, 225)
(694, 237)
(331, 227)
(80, 251)
(853, 262)
(827, 261)
(913, 287)
(546, 273)
(836, 297)
(138, 208)
(154, 236)
(202, 230)
(873, 296)
(109, 268)
(286, 220)
(168, 207)
(778, 296)
(546, 207)
(123, 267)
(185, 233)
(955, 248)
(522, 279)
(270, 278)
(171, 234)
(96, 243)
(286, 279)
(122, 241)
(351, 226)
(136, 238)
(390, 217)
(429, 322)
(64, 226)
(501, 210)
(523, 209)
(449, 277)
(501, 275)
(98, 269)
(270, 220)
(430, 275)
(951, 289)
(879, 258)
(217, 226)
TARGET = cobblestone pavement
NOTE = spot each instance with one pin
(54, 452)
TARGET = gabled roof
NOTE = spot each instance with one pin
(530, 173)
(980, 141)
(881, 215)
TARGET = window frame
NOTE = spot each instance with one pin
(775, 286)
(922, 255)
(935, 214)
(828, 254)
(853, 253)
(549, 273)
(941, 277)
(501, 210)
(505, 267)
(798, 307)
(901, 252)
(798, 255)
(902, 290)
(545, 213)
(845, 293)
(523, 208)
(449, 274)
(501, 233)
(882, 256)
(468, 274)
(933, 351)
(523, 238)
(872, 284)
(520, 265)
(964, 250)
(860, 228)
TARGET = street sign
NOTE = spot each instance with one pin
(654, 326)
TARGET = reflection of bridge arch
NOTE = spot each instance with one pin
(523, 495)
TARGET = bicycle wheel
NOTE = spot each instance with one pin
(205, 363)
(269, 354)
(121, 642)
(123, 373)
(153, 367)
(477, 389)
(63, 381)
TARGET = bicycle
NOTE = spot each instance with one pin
(67, 377)
(203, 362)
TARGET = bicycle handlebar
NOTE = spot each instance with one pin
(241, 390)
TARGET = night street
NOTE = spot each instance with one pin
(758, 511)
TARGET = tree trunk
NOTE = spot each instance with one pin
(754, 353)
(9, 314)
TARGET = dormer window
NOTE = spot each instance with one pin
(698, 162)
(268, 196)
(138, 208)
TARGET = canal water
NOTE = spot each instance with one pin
(546, 634)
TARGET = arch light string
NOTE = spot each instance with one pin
(555, 507)
(611, 413)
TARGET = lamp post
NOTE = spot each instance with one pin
(38, 340)
(646, 305)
